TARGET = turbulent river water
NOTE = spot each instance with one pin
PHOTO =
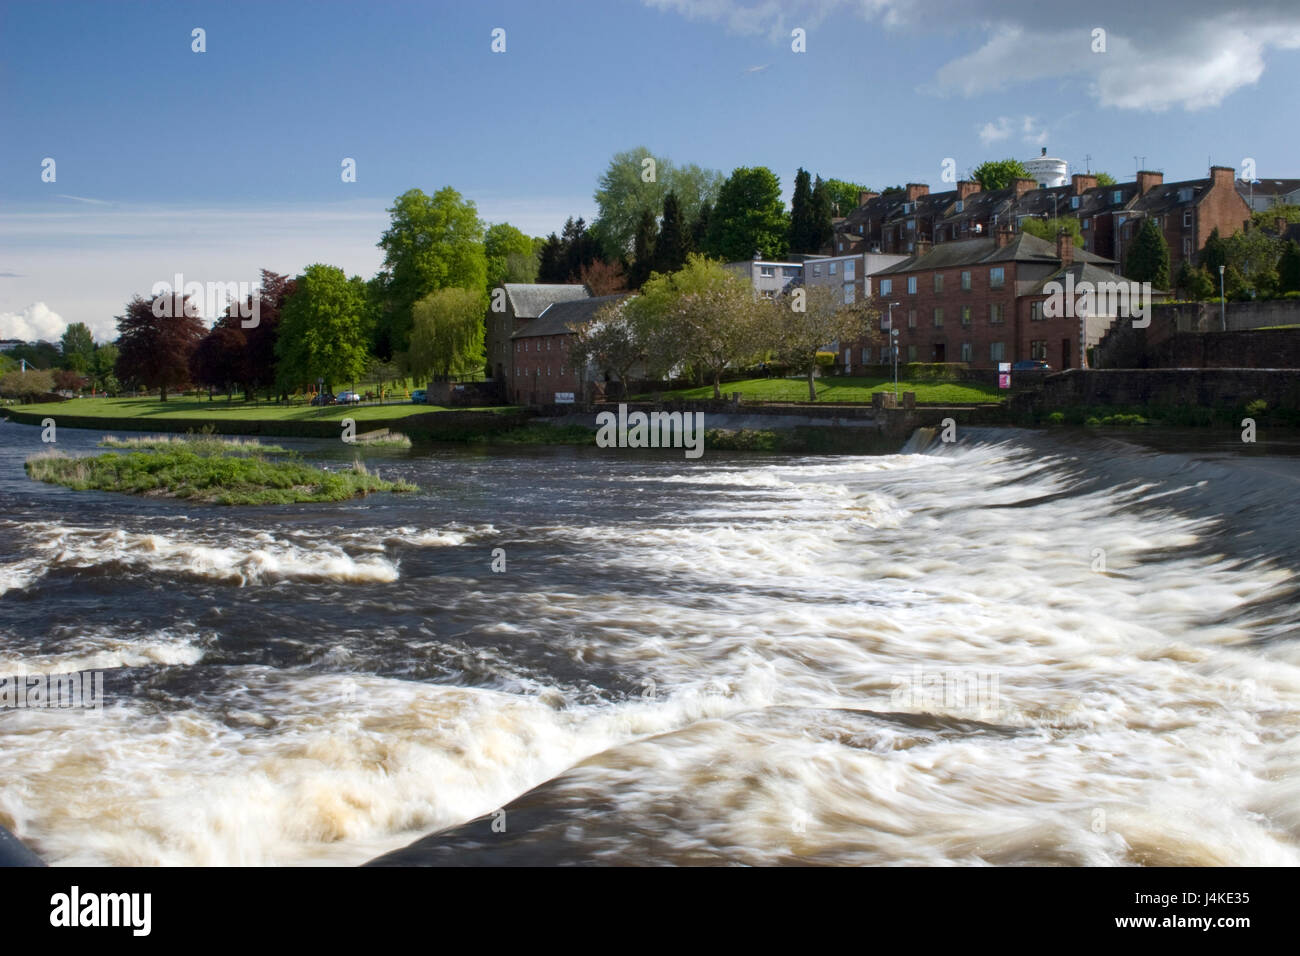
(1025, 648)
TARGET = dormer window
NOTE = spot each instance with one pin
(1117, 196)
(961, 205)
(1074, 202)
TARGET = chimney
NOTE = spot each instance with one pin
(865, 196)
(1148, 180)
(1002, 236)
(967, 187)
(1065, 248)
(1080, 183)
(923, 246)
(1023, 186)
(916, 190)
(1223, 176)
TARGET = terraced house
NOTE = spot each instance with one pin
(980, 301)
(1109, 216)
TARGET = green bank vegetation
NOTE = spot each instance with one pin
(217, 478)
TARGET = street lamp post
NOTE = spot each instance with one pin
(893, 338)
(1223, 308)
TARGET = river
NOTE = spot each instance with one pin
(1023, 648)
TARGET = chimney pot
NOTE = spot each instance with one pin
(1148, 180)
(1065, 248)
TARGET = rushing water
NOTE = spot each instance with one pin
(1022, 649)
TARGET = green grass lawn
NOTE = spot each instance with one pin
(845, 389)
(221, 410)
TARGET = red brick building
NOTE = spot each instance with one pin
(511, 307)
(979, 301)
(1109, 216)
(540, 367)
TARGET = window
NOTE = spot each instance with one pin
(911, 353)
(996, 278)
(866, 356)
(548, 345)
(967, 353)
(1038, 350)
(965, 315)
(911, 225)
(965, 282)
(911, 285)
(1087, 224)
(850, 294)
(938, 318)
(996, 314)
(961, 205)
(996, 352)
(860, 228)
(1036, 311)
(765, 270)
(938, 283)
(1117, 196)
(817, 270)
(886, 286)
(1187, 218)
(911, 318)
(849, 270)
(1074, 202)
(832, 269)
(1187, 247)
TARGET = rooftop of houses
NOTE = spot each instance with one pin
(531, 299)
(560, 318)
(1022, 247)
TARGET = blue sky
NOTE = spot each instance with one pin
(216, 164)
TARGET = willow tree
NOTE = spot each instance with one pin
(447, 334)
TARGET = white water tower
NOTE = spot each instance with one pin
(1048, 170)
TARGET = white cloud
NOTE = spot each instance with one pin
(1160, 54)
(995, 131)
(36, 321)
(1003, 127)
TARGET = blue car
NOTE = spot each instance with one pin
(418, 397)
(1031, 365)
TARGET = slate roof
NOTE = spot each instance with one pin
(561, 317)
(1022, 248)
(530, 299)
(1082, 272)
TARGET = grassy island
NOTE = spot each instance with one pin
(192, 471)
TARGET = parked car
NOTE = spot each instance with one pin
(349, 398)
(419, 397)
(324, 398)
(1031, 365)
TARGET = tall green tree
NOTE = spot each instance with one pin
(510, 256)
(643, 249)
(1105, 179)
(802, 227)
(550, 261)
(324, 329)
(432, 243)
(1288, 268)
(1147, 258)
(1214, 253)
(77, 346)
(155, 340)
(630, 184)
(674, 240)
(447, 338)
(102, 363)
(843, 195)
(999, 173)
(749, 216)
(823, 231)
(700, 228)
